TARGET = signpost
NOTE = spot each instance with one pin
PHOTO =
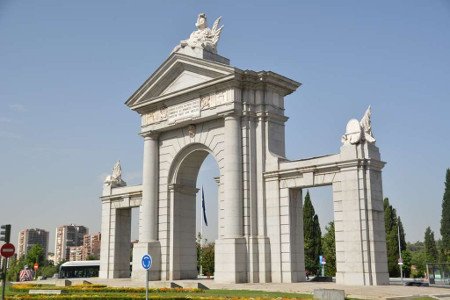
(35, 267)
(146, 264)
(400, 260)
(7, 250)
(322, 262)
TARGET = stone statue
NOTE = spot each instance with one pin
(359, 131)
(115, 179)
(204, 37)
(367, 126)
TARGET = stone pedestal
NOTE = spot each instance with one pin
(203, 54)
(230, 260)
(139, 250)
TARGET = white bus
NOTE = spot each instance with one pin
(79, 269)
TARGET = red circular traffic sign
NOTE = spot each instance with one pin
(36, 266)
(7, 250)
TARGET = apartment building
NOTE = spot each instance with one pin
(68, 236)
(91, 246)
(30, 237)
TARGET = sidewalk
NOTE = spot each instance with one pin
(359, 292)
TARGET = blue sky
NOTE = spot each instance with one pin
(67, 67)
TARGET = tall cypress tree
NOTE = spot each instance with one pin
(317, 238)
(431, 251)
(393, 225)
(402, 234)
(329, 249)
(445, 220)
(312, 236)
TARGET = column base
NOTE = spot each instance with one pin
(230, 260)
(265, 274)
(355, 278)
(154, 250)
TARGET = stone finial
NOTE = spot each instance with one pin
(204, 37)
(359, 131)
(115, 179)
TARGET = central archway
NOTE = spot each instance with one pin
(182, 194)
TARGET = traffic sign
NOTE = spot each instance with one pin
(322, 260)
(7, 250)
(400, 261)
(146, 261)
(36, 266)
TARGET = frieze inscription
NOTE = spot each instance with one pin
(186, 110)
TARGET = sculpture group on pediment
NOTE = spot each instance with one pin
(204, 37)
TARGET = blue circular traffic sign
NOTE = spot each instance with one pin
(146, 261)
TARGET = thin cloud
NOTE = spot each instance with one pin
(17, 107)
(10, 135)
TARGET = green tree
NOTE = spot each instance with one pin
(208, 259)
(445, 221)
(95, 257)
(418, 261)
(392, 225)
(407, 257)
(402, 234)
(416, 247)
(48, 270)
(15, 265)
(34, 255)
(329, 249)
(312, 236)
(431, 251)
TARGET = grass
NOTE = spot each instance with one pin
(103, 292)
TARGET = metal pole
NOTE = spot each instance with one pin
(201, 237)
(400, 253)
(4, 277)
(146, 285)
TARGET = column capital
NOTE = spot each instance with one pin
(184, 189)
(152, 135)
(232, 114)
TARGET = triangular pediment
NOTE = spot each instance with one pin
(184, 80)
(177, 74)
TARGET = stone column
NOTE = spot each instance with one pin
(233, 177)
(148, 221)
(231, 262)
(148, 231)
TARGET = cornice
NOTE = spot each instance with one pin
(337, 166)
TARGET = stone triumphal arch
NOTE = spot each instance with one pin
(197, 104)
